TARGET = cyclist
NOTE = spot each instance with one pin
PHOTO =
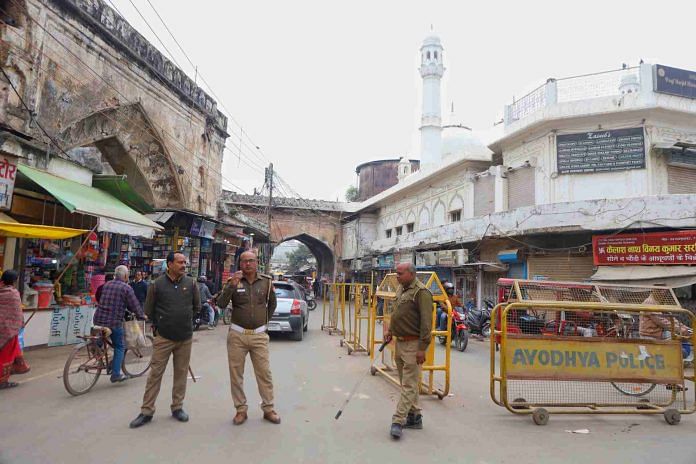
(117, 296)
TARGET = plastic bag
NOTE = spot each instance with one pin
(134, 334)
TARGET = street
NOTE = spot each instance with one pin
(43, 424)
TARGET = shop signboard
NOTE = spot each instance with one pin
(386, 261)
(202, 228)
(601, 151)
(58, 329)
(80, 323)
(674, 81)
(406, 257)
(663, 248)
(8, 170)
(366, 264)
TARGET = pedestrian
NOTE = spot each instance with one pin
(139, 286)
(11, 322)
(253, 303)
(115, 297)
(172, 300)
(410, 326)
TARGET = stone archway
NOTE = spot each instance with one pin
(126, 138)
(321, 251)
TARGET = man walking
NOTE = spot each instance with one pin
(114, 297)
(172, 300)
(410, 326)
(253, 304)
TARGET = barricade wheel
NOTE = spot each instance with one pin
(672, 416)
(540, 416)
(341, 343)
(373, 370)
(519, 403)
(350, 351)
(440, 396)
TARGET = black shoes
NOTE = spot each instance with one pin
(414, 421)
(180, 415)
(141, 420)
(395, 431)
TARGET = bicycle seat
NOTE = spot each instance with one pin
(98, 330)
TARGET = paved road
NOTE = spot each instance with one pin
(41, 423)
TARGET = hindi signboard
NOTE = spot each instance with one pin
(8, 171)
(601, 151)
(677, 247)
(674, 81)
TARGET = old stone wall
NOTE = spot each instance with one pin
(92, 81)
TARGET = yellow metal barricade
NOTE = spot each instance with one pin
(385, 298)
(334, 308)
(358, 309)
(578, 348)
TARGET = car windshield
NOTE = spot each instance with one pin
(283, 291)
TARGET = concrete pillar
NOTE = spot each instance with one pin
(646, 83)
(501, 189)
(479, 288)
(507, 117)
(551, 90)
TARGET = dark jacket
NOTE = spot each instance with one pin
(171, 305)
(140, 290)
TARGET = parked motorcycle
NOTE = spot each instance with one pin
(479, 320)
(311, 302)
(460, 331)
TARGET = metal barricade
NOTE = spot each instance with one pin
(578, 348)
(385, 298)
(358, 308)
(333, 308)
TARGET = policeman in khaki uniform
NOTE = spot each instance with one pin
(410, 326)
(253, 303)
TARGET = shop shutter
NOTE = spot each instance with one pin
(681, 179)
(484, 196)
(560, 267)
(521, 188)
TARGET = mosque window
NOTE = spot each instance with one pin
(399, 230)
(435, 53)
(427, 55)
(388, 233)
(409, 227)
(455, 216)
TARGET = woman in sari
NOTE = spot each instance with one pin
(11, 321)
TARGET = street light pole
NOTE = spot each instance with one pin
(269, 182)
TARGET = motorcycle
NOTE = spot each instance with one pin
(203, 316)
(311, 302)
(460, 331)
(479, 321)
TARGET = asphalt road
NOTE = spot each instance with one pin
(41, 423)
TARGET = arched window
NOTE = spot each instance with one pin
(427, 55)
(435, 53)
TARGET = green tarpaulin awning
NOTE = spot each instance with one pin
(114, 216)
(121, 189)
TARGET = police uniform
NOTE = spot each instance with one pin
(410, 326)
(253, 304)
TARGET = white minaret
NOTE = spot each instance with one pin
(431, 70)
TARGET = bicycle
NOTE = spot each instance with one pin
(87, 361)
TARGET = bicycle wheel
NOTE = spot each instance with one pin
(227, 316)
(137, 360)
(83, 368)
(634, 389)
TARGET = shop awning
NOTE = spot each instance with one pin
(121, 189)
(17, 229)
(161, 216)
(114, 216)
(665, 276)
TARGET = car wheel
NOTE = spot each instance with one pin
(298, 335)
(306, 325)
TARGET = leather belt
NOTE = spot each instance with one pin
(408, 338)
(244, 331)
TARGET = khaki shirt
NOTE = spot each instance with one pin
(413, 316)
(253, 303)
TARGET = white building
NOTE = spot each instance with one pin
(581, 157)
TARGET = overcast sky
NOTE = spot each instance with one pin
(322, 86)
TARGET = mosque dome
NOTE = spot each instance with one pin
(432, 40)
(460, 141)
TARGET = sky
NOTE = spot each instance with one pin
(322, 86)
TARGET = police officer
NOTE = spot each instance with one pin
(410, 326)
(253, 303)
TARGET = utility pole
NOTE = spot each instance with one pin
(269, 182)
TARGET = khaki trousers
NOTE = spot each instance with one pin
(409, 376)
(162, 348)
(238, 345)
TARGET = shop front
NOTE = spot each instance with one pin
(70, 236)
